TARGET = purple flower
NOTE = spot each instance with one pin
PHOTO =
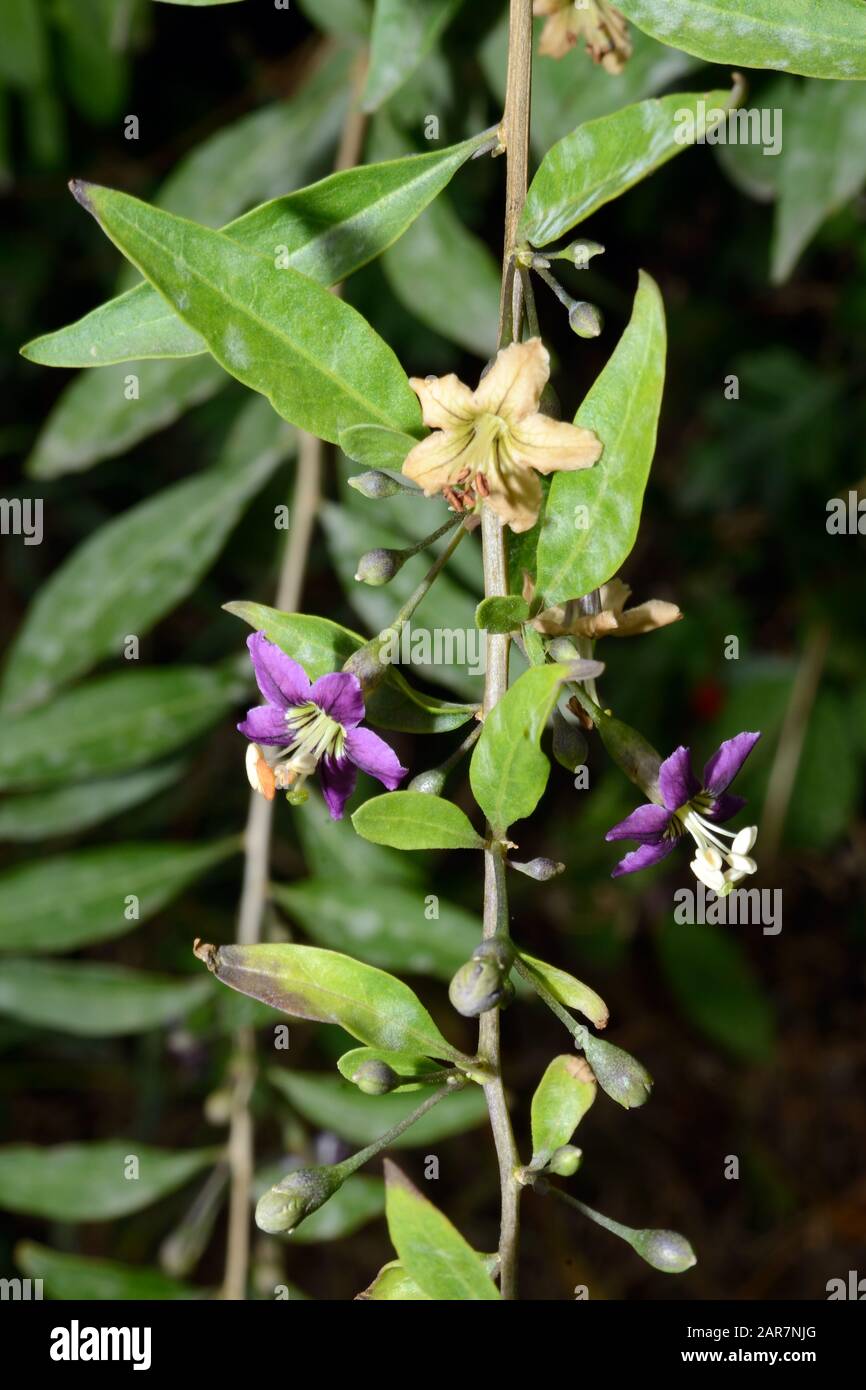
(312, 725)
(697, 808)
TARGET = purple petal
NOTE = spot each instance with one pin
(372, 754)
(677, 782)
(280, 679)
(724, 807)
(338, 777)
(644, 857)
(265, 724)
(339, 695)
(726, 762)
(647, 824)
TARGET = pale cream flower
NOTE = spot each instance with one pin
(602, 26)
(486, 443)
(614, 619)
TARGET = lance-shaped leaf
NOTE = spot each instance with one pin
(567, 990)
(376, 447)
(71, 1278)
(134, 569)
(825, 40)
(336, 1105)
(509, 772)
(328, 987)
(408, 1064)
(326, 231)
(113, 723)
(592, 517)
(66, 810)
(93, 1182)
(393, 1285)
(562, 1098)
(70, 900)
(431, 1250)
(386, 927)
(602, 159)
(403, 33)
(92, 1000)
(316, 359)
(415, 820)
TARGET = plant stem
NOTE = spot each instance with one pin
(515, 127)
(423, 588)
(351, 1165)
(577, 1030)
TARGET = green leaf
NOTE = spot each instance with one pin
(508, 772)
(326, 231)
(388, 927)
(321, 646)
(404, 1063)
(562, 1098)
(94, 43)
(415, 820)
(622, 408)
(829, 778)
(23, 53)
(67, 810)
(70, 900)
(166, 543)
(403, 33)
(822, 165)
(826, 40)
(113, 723)
(339, 17)
(713, 983)
(431, 1250)
(501, 614)
(76, 1278)
(316, 359)
(333, 1104)
(376, 447)
(602, 159)
(94, 1000)
(393, 1285)
(93, 1182)
(327, 987)
(573, 993)
(333, 851)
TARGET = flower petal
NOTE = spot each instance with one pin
(432, 463)
(724, 807)
(552, 445)
(726, 762)
(677, 782)
(514, 496)
(647, 824)
(373, 755)
(337, 777)
(266, 724)
(644, 857)
(280, 679)
(513, 386)
(339, 695)
(445, 401)
(646, 617)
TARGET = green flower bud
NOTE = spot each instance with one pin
(375, 1078)
(566, 1161)
(619, 1074)
(585, 319)
(581, 252)
(569, 742)
(295, 1197)
(630, 750)
(564, 649)
(432, 782)
(539, 869)
(479, 985)
(374, 484)
(369, 664)
(664, 1250)
(378, 567)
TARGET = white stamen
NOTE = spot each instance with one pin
(713, 854)
(744, 840)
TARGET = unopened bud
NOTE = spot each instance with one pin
(368, 664)
(565, 1161)
(375, 1078)
(581, 252)
(378, 567)
(569, 742)
(482, 983)
(374, 484)
(630, 750)
(540, 869)
(295, 1197)
(619, 1074)
(584, 319)
(431, 782)
(664, 1250)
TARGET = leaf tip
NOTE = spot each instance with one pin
(80, 191)
(204, 951)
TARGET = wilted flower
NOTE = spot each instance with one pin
(602, 26)
(488, 445)
(613, 619)
(313, 726)
(697, 809)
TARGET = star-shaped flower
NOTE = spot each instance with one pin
(312, 725)
(696, 808)
(488, 445)
(600, 24)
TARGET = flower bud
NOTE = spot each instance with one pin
(564, 649)
(581, 252)
(378, 567)
(375, 1078)
(664, 1250)
(481, 984)
(619, 1074)
(374, 484)
(584, 319)
(540, 869)
(295, 1197)
(431, 782)
(369, 664)
(630, 750)
(565, 1161)
(569, 742)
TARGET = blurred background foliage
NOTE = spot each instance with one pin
(116, 774)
